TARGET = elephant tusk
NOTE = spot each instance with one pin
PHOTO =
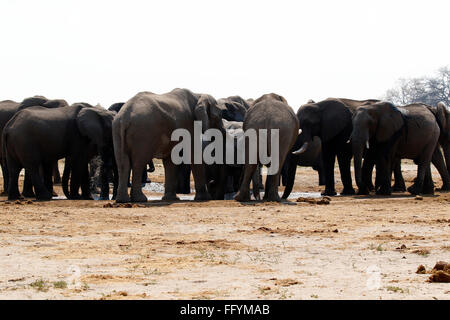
(302, 149)
(349, 140)
(300, 131)
(367, 144)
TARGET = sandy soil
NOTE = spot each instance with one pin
(354, 248)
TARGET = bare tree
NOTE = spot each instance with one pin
(429, 90)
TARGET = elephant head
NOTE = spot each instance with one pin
(442, 113)
(233, 111)
(43, 102)
(95, 124)
(374, 124)
(209, 112)
(325, 119)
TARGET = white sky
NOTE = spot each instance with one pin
(107, 51)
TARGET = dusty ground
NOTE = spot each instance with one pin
(349, 249)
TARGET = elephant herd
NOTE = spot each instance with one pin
(38, 132)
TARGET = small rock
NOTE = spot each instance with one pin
(418, 198)
(440, 276)
(421, 269)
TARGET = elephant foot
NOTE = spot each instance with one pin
(74, 197)
(273, 196)
(242, 196)
(170, 197)
(363, 192)
(329, 193)
(15, 197)
(348, 192)
(46, 196)
(28, 194)
(4, 193)
(398, 188)
(122, 199)
(383, 191)
(445, 187)
(139, 197)
(202, 196)
(428, 190)
(54, 194)
(414, 190)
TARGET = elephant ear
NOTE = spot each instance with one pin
(391, 120)
(208, 112)
(90, 125)
(442, 114)
(56, 103)
(335, 118)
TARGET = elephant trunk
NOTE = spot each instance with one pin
(291, 162)
(359, 143)
(65, 177)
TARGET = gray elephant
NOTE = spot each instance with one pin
(235, 108)
(331, 121)
(37, 137)
(7, 110)
(270, 112)
(142, 131)
(386, 133)
(442, 115)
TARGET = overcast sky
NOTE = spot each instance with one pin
(107, 51)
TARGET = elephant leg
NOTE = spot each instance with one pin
(446, 149)
(399, 182)
(115, 181)
(104, 183)
(384, 176)
(75, 179)
(5, 177)
(244, 191)
(428, 184)
(47, 171)
(85, 187)
(329, 159)
(439, 162)
(416, 188)
(42, 193)
(170, 180)
(28, 185)
(198, 171)
(344, 161)
(123, 169)
(271, 191)
(56, 174)
(256, 185)
(13, 180)
(139, 165)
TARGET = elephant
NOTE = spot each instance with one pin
(143, 128)
(312, 157)
(37, 137)
(225, 178)
(270, 112)
(391, 133)
(7, 110)
(235, 108)
(442, 115)
(331, 121)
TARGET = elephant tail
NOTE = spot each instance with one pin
(66, 176)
